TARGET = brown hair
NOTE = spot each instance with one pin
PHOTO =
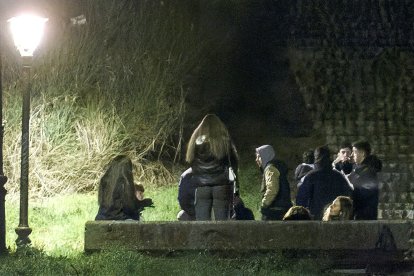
(216, 135)
(139, 188)
(297, 213)
(117, 184)
(346, 207)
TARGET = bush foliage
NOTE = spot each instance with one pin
(115, 85)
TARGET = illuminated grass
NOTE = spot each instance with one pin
(116, 85)
(58, 237)
(58, 223)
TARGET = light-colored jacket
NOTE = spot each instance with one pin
(270, 185)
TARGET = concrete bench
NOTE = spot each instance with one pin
(351, 241)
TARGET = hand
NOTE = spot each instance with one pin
(338, 158)
(147, 202)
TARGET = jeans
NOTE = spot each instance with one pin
(216, 198)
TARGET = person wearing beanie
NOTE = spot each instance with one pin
(275, 188)
(322, 185)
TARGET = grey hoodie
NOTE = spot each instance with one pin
(267, 154)
(275, 186)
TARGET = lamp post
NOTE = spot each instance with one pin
(27, 31)
(3, 178)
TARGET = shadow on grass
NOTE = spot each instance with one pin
(32, 261)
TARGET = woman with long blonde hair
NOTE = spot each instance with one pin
(210, 153)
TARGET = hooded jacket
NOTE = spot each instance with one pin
(275, 188)
(366, 190)
(322, 185)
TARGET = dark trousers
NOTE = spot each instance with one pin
(273, 213)
(216, 198)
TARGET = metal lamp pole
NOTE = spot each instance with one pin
(27, 31)
(23, 230)
(3, 178)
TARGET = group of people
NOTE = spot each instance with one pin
(346, 188)
(353, 174)
(209, 188)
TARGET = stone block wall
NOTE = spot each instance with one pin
(369, 107)
(354, 65)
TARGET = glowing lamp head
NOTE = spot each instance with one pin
(27, 31)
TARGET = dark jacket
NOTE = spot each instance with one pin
(241, 212)
(208, 170)
(366, 191)
(271, 186)
(282, 198)
(186, 193)
(119, 209)
(116, 195)
(346, 167)
(320, 187)
(302, 170)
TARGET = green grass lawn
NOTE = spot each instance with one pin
(58, 225)
(58, 222)
(57, 244)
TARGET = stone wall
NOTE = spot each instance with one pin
(354, 64)
(370, 108)
(371, 242)
(344, 67)
(247, 235)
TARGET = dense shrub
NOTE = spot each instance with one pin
(114, 85)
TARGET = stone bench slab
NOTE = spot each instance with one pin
(244, 235)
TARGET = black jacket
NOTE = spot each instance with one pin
(320, 187)
(122, 208)
(366, 191)
(346, 167)
(208, 170)
(186, 193)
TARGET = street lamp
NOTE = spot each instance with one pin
(27, 31)
(3, 178)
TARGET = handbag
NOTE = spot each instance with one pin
(231, 175)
